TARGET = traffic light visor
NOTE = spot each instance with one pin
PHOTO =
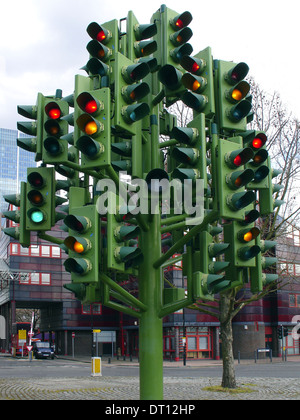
(98, 32)
(181, 21)
(89, 104)
(237, 73)
(238, 157)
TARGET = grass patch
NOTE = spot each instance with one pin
(237, 390)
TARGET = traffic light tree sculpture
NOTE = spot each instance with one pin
(211, 170)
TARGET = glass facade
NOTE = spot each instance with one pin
(13, 164)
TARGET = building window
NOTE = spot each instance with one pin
(45, 279)
(40, 279)
(36, 251)
(24, 251)
(294, 300)
(35, 278)
(55, 252)
(14, 249)
(94, 309)
(45, 251)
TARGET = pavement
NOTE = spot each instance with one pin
(183, 390)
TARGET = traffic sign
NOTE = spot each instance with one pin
(29, 348)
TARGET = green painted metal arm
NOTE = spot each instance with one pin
(123, 293)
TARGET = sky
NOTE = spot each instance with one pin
(43, 43)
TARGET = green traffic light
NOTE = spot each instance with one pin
(36, 216)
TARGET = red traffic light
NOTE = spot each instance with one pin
(53, 110)
(259, 141)
(98, 32)
(89, 104)
(181, 21)
(238, 157)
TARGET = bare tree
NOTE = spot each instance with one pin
(282, 130)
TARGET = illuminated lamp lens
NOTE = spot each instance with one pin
(237, 95)
(257, 143)
(78, 247)
(237, 160)
(132, 96)
(101, 36)
(91, 128)
(37, 216)
(54, 113)
(196, 86)
(248, 237)
(179, 39)
(179, 23)
(195, 68)
(91, 107)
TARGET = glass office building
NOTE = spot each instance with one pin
(13, 164)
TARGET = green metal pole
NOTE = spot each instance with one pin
(150, 332)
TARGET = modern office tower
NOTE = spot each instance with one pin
(14, 162)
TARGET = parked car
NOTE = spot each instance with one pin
(43, 349)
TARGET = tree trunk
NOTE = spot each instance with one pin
(228, 380)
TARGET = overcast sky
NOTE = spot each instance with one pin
(43, 43)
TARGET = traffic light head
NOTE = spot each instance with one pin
(32, 128)
(231, 95)
(40, 203)
(256, 140)
(94, 123)
(55, 149)
(233, 178)
(127, 91)
(83, 244)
